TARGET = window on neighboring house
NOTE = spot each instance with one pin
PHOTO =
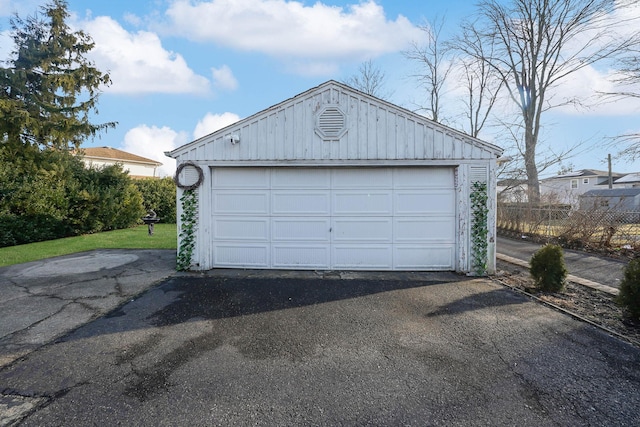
(585, 180)
(574, 184)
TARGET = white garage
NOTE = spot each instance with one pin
(334, 179)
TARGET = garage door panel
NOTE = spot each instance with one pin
(292, 178)
(343, 218)
(308, 202)
(241, 228)
(423, 178)
(375, 230)
(362, 257)
(300, 229)
(241, 202)
(241, 255)
(424, 229)
(425, 202)
(247, 178)
(371, 178)
(420, 257)
(361, 203)
(301, 256)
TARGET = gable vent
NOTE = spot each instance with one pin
(478, 174)
(331, 123)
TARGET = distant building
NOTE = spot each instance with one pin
(137, 166)
(512, 190)
(630, 180)
(615, 199)
(567, 188)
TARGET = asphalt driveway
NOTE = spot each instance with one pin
(252, 348)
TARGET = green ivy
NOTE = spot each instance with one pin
(187, 229)
(479, 228)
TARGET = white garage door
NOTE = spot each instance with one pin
(343, 218)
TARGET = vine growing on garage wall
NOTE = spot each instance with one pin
(187, 229)
(479, 227)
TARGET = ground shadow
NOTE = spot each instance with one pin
(221, 297)
(494, 298)
(182, 299)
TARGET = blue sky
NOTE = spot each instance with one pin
(182, 69)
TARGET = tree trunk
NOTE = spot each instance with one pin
(533, 184)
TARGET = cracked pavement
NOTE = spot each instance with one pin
(42, 300)
(234, 347)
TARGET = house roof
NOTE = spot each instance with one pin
(314, 100)
(612, 192)
(583, 173)
(628, 178)
(108, 153)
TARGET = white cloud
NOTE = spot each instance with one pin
(6, 45)
(585, 85)
(21, 7)
(212, 122)
(132, 19)
(137, 62)
(291, 30)
(152, 142)
(223, 78)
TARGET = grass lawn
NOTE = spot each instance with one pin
(164, 237)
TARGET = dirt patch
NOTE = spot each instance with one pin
(595, 306)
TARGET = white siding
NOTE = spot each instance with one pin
(374, 130)
(134, 169)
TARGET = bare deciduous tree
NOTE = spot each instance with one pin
(482, 83)
(536, 45)
(513, 169)
(628, 80)
(435, 65)
(370, 79)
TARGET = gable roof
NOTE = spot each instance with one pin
(628, 178)
(612, 192)
(583, 173)
(335, 122)
(113, 154)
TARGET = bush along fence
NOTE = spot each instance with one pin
(597, 228)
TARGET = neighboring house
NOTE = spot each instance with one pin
(137, 166)
(615, 199)
(335, 179)
(567, 188)
(630, 180)
(512, 190)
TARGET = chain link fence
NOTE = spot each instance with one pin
(596, 227)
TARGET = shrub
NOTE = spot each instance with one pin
(548, 268)
(104, 199)
(159, 195)
(50, 194)
(629, 296)
(21, 229)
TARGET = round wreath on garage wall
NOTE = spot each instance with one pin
(188, 177)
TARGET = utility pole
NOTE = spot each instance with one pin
(610, 173)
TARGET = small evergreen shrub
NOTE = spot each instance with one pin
(629, 297)
(548, 269)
